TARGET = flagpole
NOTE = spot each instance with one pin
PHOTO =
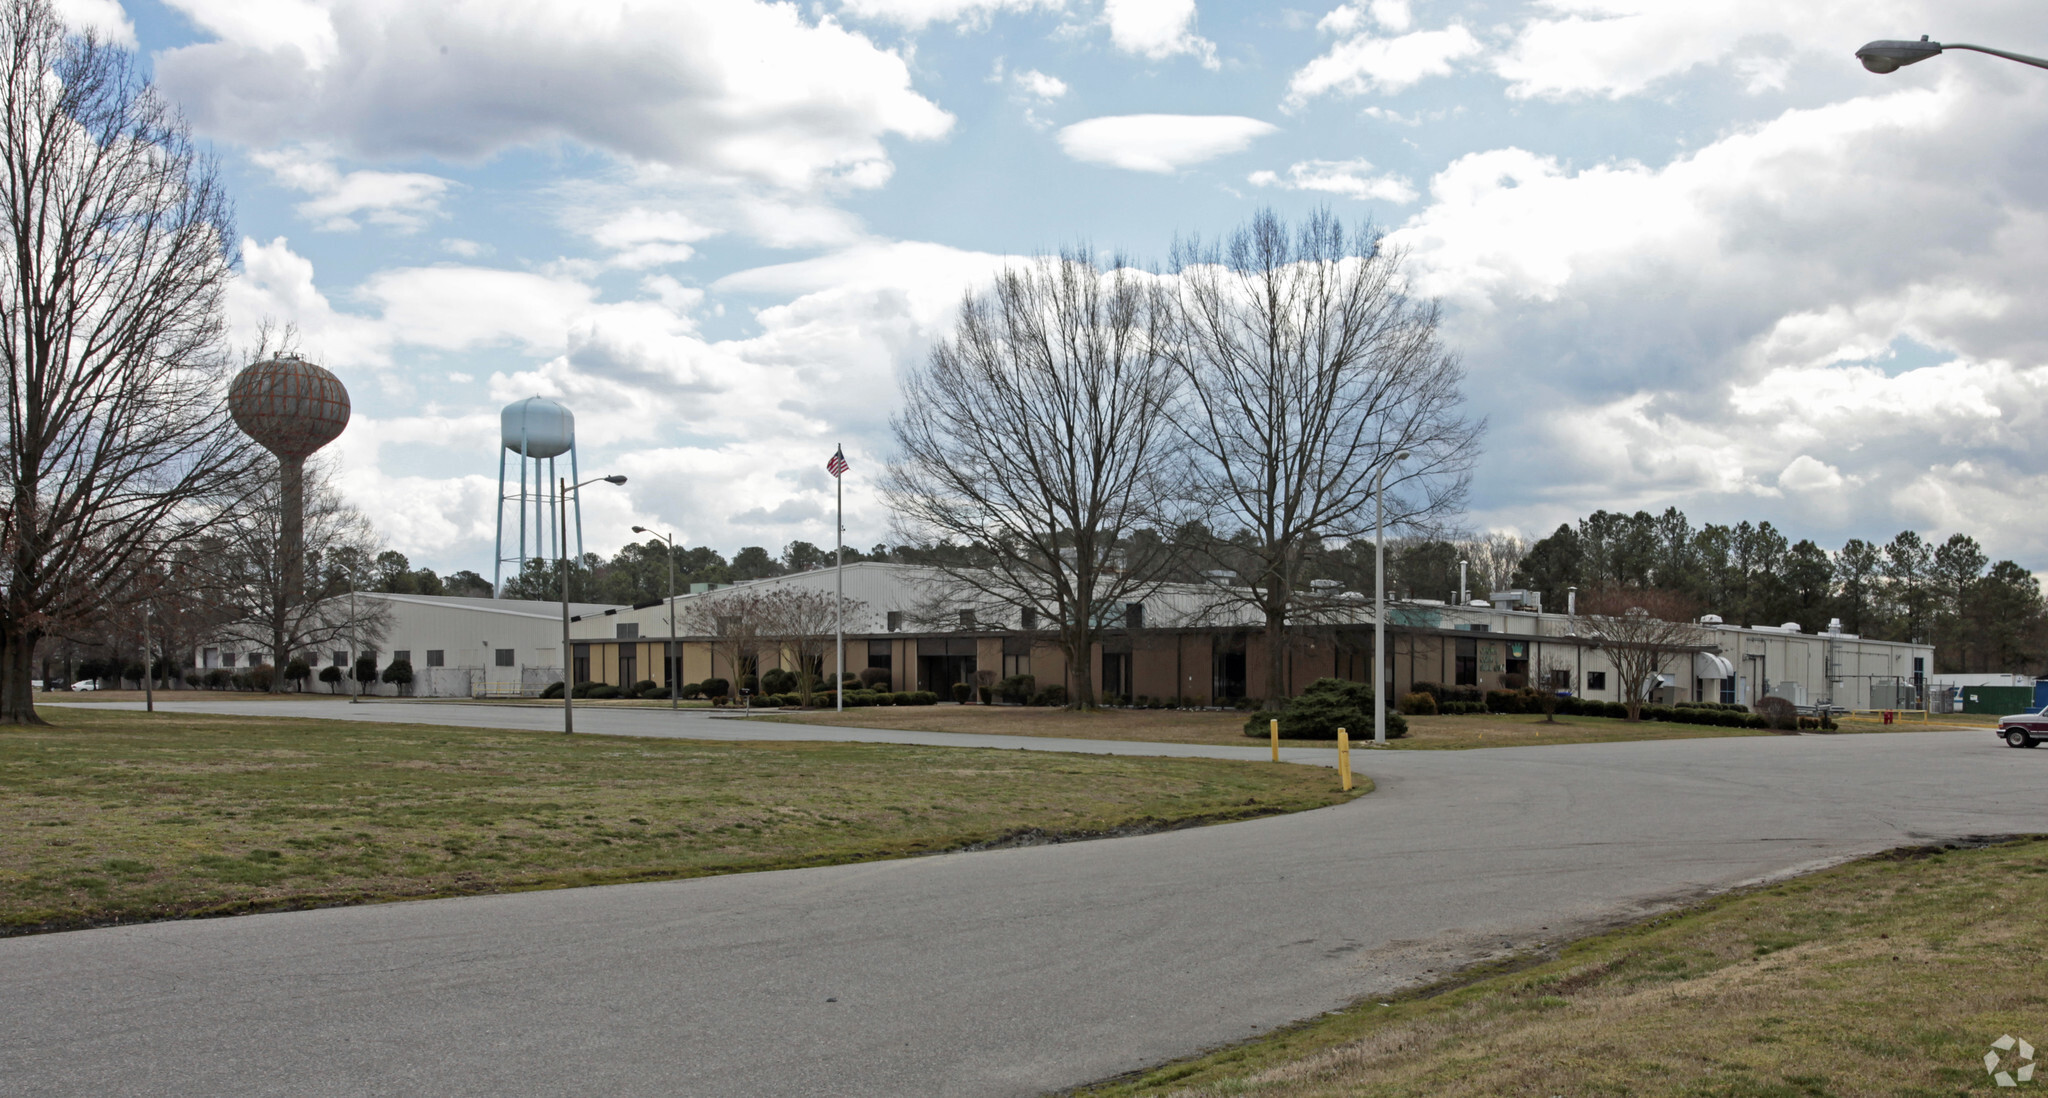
(839, 576)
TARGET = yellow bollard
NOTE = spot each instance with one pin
(1275, 726)
(1344, 758)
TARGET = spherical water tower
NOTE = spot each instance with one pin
(291, 408)
(537, 430)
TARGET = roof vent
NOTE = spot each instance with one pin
(1790, 627)
(1710, 619)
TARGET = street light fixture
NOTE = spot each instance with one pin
(562, 544)
(1891, 55)
(674, 660)
(1379, 602)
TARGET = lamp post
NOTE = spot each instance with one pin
(562, 547)
(1891, 55)
(673, 661)
(355, 688)
(1379, 601)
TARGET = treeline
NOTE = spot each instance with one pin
(639, 572)
(1981, 616)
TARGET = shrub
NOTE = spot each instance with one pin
(604, 690)
(644, 685)
(882, 697)
(1017, 688)
(902, 697)
(261, 676)
(1326, 706)
(297, 672)
(1419, 704)
(583, 689)
(1435, 690)
(1055, 695)
(1778, 713)
(924, 697)
(874, 677)
(399, 674)
(714, 688)
(219, 677)
(775, 680)
(961, 691)
(552, 690)
(330, 675)
(191, 679)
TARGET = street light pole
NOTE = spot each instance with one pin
(1891, 55)
(673, 658)
(1379, 601)
(562, 554)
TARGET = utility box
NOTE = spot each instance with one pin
(1999, 700)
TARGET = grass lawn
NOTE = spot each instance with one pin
(1195, 726)
(113, 816)
(1891, 975)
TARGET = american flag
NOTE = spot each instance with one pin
(837, 465)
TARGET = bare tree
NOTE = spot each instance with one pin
(801, 623)
(116, 235)
(1641, 631)
(1036, 438)
(249, 574)
(1306, 367)
(737, 623)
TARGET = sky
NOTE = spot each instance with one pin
(1690, 255)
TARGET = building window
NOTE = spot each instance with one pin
(1559, 679)
(504, 657)
(341, 659)
(895, 621)
(629, 630)
(402, 654)
(581, 667)
(436, 657)
(1028, 619)
(1596, 680)
(629, 665)
(966, 619)
(880, 656)
(227, 659)
(1728, 690)
(1134, 615)
(1468, 662)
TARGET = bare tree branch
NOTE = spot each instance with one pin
(1036, 438)
(1306, 366)
(116, 235)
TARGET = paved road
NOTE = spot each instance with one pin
(705, 724)
(1007, 972)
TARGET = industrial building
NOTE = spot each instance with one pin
(458, 647)
(1203, 644)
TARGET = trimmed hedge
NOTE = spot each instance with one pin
(1324, 707)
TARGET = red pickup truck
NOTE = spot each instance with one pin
(2024, 729)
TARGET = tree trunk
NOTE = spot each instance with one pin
(17, 667)
(1276, 658)
(1079, 674)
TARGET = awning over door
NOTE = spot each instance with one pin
(1707, 665)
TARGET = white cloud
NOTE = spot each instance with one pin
(1159, 142)
(1040, 86)
(1731, 330)
(1350, 178)
(725, 87)
(404, 201)
(104, 17)
(1617, 48)
(1363, 65)
(1157, 29)
(467, 249)
(272, 26)
(1808, 474)
(1393, 16)
(916, 14)
(641, 238)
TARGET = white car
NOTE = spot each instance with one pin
(86, 684)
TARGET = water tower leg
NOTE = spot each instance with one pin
(522, 502)
(293, 521)
(554, 528)
(576, 477)
(498, 568)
